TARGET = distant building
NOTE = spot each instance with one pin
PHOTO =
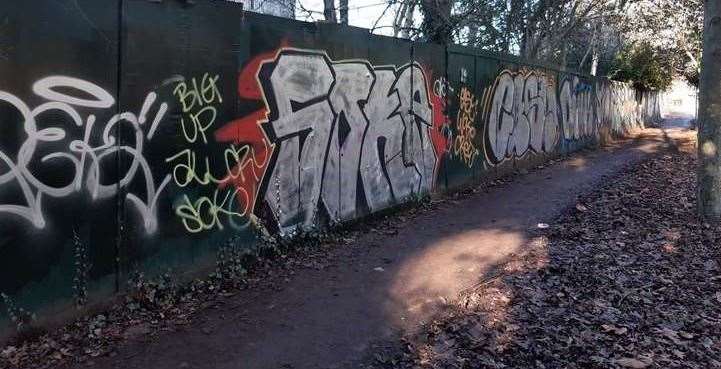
(680, 99)
(278, 8)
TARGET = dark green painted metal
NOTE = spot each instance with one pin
(139, 52)
(38, 39)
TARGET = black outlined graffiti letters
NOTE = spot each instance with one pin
(523, 115)
(340, 126)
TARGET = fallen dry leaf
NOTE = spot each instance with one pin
(628, 362)
(602, 287)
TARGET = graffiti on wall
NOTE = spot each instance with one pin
(577, 109)
(617, 106)
(464, 146)
(330, 137)
(247, 134)
(523, 115)
(215, 204)
(340, 129)
(334, 131)
(64, 132)
(442, 132)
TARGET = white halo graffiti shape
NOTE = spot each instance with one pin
(46, 88)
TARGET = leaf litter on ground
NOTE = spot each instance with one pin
(634, 283)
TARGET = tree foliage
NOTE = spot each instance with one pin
(583, 35)
(644, 66)
(672, 27)
(576, 33)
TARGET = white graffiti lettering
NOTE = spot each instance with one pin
(577, 109)
(352, 87)
(87, 157)
(523, 115)
(340, 125)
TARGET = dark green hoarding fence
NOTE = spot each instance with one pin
(144, 135)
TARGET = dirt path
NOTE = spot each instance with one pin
(384, 282)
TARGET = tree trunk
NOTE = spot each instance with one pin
(343, 9)
(507, 31)
(590, 51)
(436, 24)
(594, 62)
(408, 23)
(398, 19)
(329, 11)
(709, 122)
(472, 34)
